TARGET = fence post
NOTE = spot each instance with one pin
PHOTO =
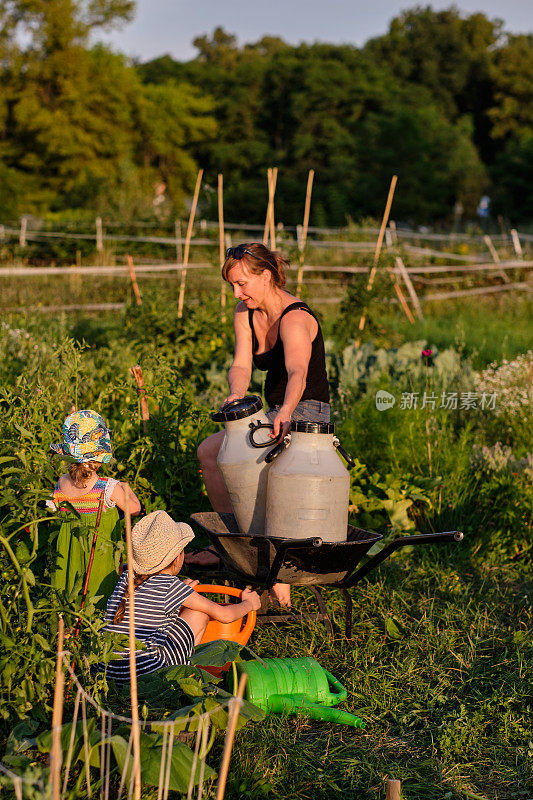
(23, 228)
(394, 790)
(495, 257)
(516, 242)
(99, 235)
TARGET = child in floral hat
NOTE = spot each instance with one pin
(86, 443)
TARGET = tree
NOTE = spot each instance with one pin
(512, 176)
(78, 129)
(441, 50)
(336, 110)
(512, 112)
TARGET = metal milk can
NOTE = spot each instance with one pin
(242, 462)
(308, 485)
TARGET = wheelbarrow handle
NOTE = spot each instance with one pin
(444, 537)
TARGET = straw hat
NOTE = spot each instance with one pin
(157, 540)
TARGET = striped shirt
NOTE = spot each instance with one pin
(168, 639)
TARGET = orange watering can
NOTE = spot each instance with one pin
(238, 631)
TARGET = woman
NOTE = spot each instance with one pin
(278, 334)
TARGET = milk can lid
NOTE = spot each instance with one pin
(238, 409)
(313, 427)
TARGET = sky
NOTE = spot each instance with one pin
(169, 26)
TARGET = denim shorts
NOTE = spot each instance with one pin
(305, 411)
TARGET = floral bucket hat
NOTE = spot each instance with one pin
(86, 437)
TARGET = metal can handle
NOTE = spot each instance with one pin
(279, 448)
(255, 426)
(347, 457)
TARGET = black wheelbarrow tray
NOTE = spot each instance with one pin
(261, 561)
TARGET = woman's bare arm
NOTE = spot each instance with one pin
(240, 372)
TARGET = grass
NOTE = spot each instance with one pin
(448, 704)
(446, 691)
(489, 329)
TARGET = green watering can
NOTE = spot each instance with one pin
(292, 686)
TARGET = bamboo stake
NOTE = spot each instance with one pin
(169, 762)
(188, 242)
(230, 734)
(57, 716)
(382, 231)
(272, 177)
(410, 287)
(403, 303)
(134, 281)
(90, 564)
(267, 218)
(394, 790)
(273, 182)
(495, 257)
(377, 252)
(222, 251)
(303, 239)
(71, 741)
(131, 637)
(103, 727)
(137, 373)
(86, 746)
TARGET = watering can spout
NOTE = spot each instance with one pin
(299, 704)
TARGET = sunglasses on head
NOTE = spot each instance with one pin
(238, 252)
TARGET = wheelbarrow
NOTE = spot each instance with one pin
(262, 561)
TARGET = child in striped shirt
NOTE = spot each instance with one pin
(170, 617)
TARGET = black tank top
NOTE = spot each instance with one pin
(273, 362)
